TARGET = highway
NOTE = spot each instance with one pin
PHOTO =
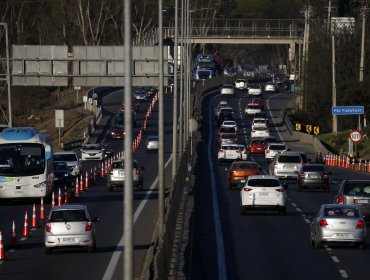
(29, 261)
(262, 245)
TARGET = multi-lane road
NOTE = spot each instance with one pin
(29, 261)
(263, 245)
(225, 245)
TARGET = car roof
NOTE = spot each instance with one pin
(263, 177)
(65, 153)
(339, 205)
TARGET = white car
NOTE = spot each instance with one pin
(152, 143)
(225, 110)
(252, 109)
(255, 90)
(260, 132)
(71, 159)
(273, 149)
(230, 124)
(271, 87)
(227, 90)
(241, 84)
(229, 152)
(259, 122)
(92, 152)
(263, 192)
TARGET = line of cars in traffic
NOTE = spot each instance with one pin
(340, 221)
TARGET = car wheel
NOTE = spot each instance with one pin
(243, 211)
(48, 250)
(110, 188)
(282, 212)
(92, 248)
(317, 243)
(361, 246)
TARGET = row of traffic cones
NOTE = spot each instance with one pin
(347, 162)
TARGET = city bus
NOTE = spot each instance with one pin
(26, 163)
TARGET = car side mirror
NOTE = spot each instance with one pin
(96, 219)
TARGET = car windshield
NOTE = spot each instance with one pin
(313, 168)
(68, 216)
(257, 142)
(227, 130)
(92, 147)
(229, 123)
(227, 86)
(357, 188)
(60, 166)
(341, 211)
(230, 148)
(263, 183)
(289, 159)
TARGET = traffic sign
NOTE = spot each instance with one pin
(347, 110)
(298, 127)
(355, 136)
(308, 128)
(316, 130)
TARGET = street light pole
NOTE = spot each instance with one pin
(128, 259)
(181, 117)
(364, 10)
(175, 122)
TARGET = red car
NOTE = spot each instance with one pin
(257, 146)
(117, 132)
(134, 107)
(258, 101)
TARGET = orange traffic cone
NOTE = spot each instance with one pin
(94, 175)
(102, 170)
(86, 181)
(34, 221)
(77, 188)
(13, 240)
(2, 253)
(65, 195)
(81, 183)
(59, 198)
(42, 211)
(52, 200)
(26, 230)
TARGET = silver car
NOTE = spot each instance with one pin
(287, 164)
(70, 225)
(116, 175)
(152, 143)
(338, 223)
(355, 192)
(92, 152)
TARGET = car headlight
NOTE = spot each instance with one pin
(66, 174)
(41, 185)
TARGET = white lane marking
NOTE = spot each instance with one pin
(120, 246)
(307, 221)
(216, 211)
(343, 273)
(298, 209)
(293, 204)
(335, 259)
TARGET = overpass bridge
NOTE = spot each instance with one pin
(236, 31)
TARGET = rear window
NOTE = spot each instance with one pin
(359, 189)
(263, 183)
(277, 147)
(253, 106)
(227, 130)
(68, 216)
(289, 159)
(340, 212)
(121, 164)
(257, 141)
(313, 168)
(244, 166)
(65, 157)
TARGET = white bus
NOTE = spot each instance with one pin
(26, 163)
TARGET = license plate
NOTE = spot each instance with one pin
(263, 193)
(362, 201)
(18, 192)
(69, 240)
(242, 181)
(343, 235)
(121, 173)
(312, 176)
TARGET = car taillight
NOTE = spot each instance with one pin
(88, 226)
(246, 189)
(301, 175)
(48, 226)
(325, 176)
(360, 224)
(137, 171)
(111, 171)
(323, 223)
(341, 199)
(267, 151)
(221, 151)
(279, 190)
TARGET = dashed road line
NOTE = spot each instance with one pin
(335, 259)
(307, 221)
(343, 273)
